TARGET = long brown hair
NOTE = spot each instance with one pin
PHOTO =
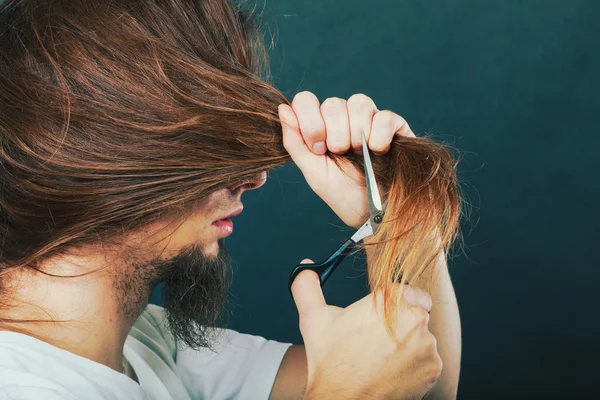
(114, 113)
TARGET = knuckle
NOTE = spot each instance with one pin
(360, 100)
(304, 97)
(437, 367)
(434, 364)
(421, 318)
(433, 372)
(333, 103)
(427, 298)
(416, 297)
(431, 344)
(401, 121)
(386, 118)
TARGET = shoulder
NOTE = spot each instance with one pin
(152, 329)
(237, 366)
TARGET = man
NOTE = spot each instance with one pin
(129, 131)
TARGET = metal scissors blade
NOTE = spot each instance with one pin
(326, 268)
(375, 207)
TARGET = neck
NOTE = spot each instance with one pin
(85, 315)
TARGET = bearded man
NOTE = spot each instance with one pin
(128, 132)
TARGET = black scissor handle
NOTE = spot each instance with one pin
(325, 268)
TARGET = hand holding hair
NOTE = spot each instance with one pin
(421, 207)
(417, 181)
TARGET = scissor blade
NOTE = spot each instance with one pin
(364, 231)
(374, 198)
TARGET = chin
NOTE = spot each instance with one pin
(212, 250)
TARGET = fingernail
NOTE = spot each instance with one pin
(319, 147)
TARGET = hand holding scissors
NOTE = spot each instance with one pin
(325, 269)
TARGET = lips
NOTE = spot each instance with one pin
(225, 225)
(233, 214)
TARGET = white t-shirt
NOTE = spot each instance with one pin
(243, 367)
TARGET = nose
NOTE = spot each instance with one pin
(250, 184)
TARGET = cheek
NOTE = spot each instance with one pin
(195, 230)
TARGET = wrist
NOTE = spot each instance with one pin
(332, 392)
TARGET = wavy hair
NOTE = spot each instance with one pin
(114, 114)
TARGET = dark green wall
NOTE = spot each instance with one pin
(514, 85)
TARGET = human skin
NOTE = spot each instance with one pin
(90, 304)
(95, 328)
(310, 129)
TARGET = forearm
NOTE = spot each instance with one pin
(444, 324)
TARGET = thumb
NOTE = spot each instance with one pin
(293, 140)
(306, 290)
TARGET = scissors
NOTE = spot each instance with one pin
(326, 268)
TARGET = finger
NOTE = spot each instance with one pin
(307, 293)
(292, 139)
(385, 125)
(361, 110)
(312, 126)
(417, 297)
(337, 127)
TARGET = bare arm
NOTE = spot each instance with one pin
(444, 324)
(290, 381)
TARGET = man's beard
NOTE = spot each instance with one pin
(194, 295)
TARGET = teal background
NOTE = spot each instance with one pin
(513, 84)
